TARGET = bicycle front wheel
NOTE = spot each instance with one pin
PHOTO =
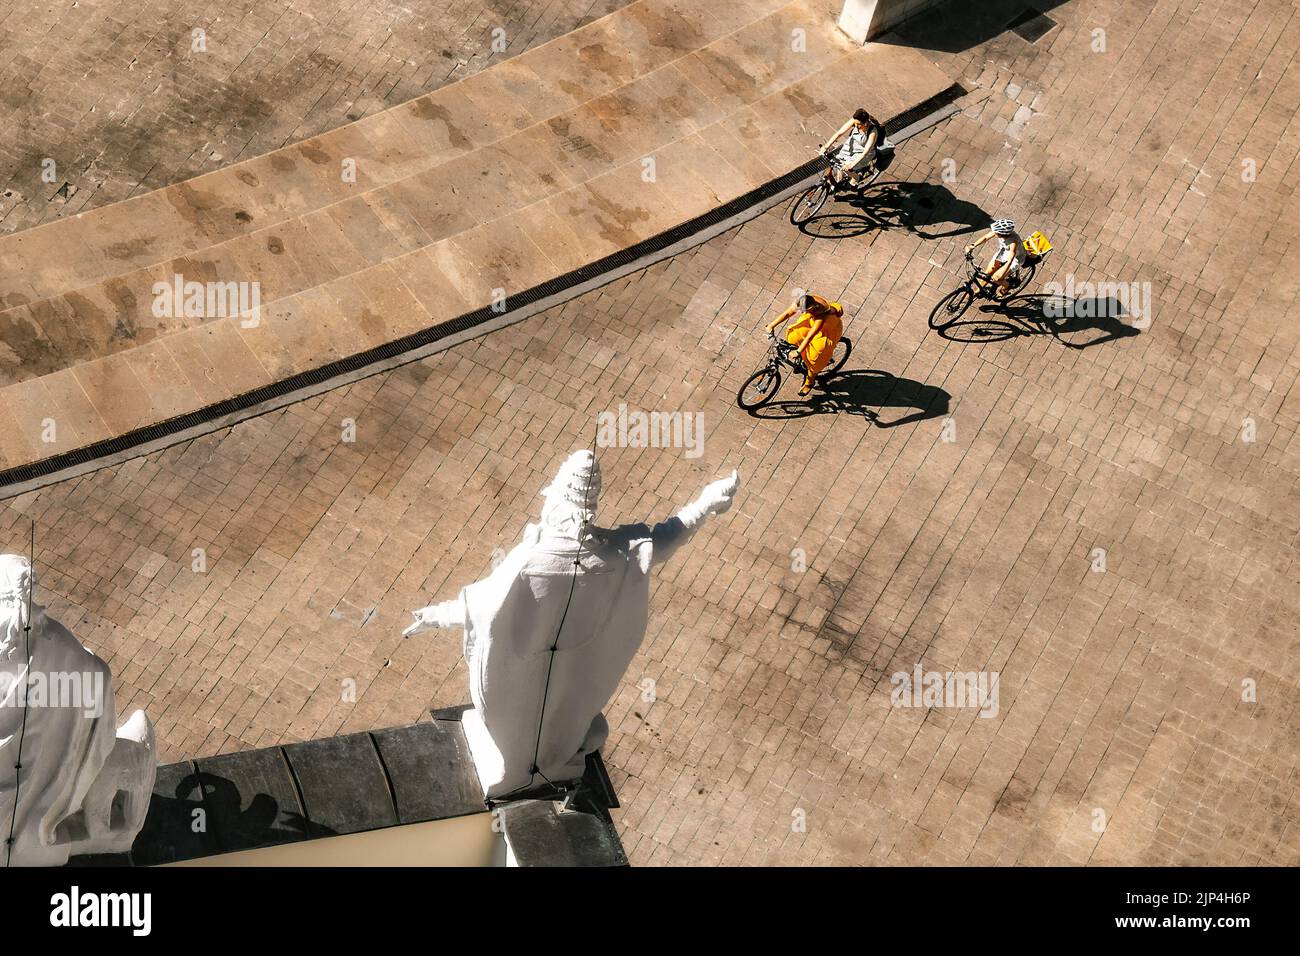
(951, 307)
(759, 388)
(810, 203)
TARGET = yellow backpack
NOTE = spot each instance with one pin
(1038, 245)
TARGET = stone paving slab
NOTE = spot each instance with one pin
(463, 182)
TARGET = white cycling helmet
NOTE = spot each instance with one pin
(1004, 227)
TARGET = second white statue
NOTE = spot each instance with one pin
(571, 588)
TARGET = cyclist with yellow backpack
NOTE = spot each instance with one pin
(1008, 257)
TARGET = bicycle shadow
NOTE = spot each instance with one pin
(1044, 314)
(915, 207)
(861, 392)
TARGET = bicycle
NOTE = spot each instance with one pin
(979, 284)
(761, 387)
(812, 200)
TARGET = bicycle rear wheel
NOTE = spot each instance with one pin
(810, 203)
(759, 388)
(843, 349)
(870, 178)
(1023, 277)
(951, 307)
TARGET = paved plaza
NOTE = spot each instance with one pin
(1102, 510)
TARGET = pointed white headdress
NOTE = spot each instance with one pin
(577, 483)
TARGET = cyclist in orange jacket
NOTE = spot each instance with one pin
(814, 333)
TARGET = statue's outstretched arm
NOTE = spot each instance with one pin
(670, 535)
(449, 614)
(446, 614)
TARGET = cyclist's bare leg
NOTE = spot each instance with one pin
(993, 273)
(1001, 276)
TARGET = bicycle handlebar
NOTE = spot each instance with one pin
(970, 257)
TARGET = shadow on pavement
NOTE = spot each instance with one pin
(958, 25)
(916, 207)
(1062, 318)
(865, 392)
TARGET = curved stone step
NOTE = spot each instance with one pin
(466, 197)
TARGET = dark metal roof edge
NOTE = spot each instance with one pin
(598, 797)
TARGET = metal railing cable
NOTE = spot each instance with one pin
(535, 770)
(27, 673)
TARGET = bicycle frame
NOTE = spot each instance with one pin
(982, 283)
(979, 281)
(834, 165)
(782, 352)
(832, 178)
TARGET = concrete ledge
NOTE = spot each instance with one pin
(357, 783)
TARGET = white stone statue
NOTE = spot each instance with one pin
(513, 616)
(83, 787)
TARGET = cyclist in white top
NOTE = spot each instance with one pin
(1007, 258)
(858, 151)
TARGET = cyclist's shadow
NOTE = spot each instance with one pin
(1043, 314)
(865, 392)
(916, 207)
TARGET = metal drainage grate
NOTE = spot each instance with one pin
(1032, 25)
(921, 110)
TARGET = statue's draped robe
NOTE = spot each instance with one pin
(512, 619)
(63, 749)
